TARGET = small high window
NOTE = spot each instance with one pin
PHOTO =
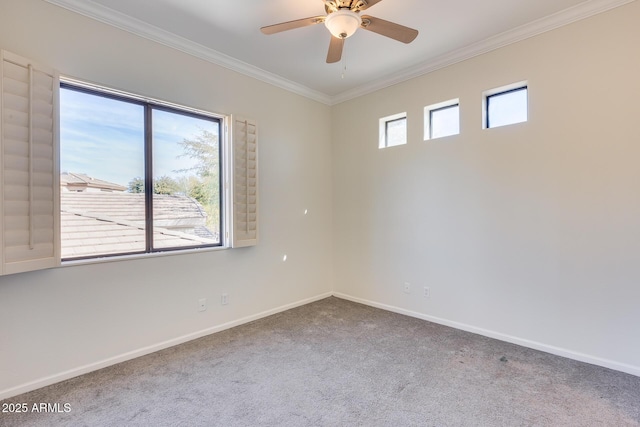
(393, 130)
(442, 119)
(506, 106)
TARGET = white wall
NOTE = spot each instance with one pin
(531, 232)
(75, 317)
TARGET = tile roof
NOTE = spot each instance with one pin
(79, 181)
(101, 223)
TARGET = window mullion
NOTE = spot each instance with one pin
(148, 177)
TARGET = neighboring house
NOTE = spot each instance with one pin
(100, 218)
(79, 182)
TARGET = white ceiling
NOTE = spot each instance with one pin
(227, 32)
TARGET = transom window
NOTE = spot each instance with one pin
(393, 130)
(442, 119)
(136, 176)
(506, 106)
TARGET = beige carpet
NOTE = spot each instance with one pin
(337, 363)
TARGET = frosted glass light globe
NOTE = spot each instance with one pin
(343, 23)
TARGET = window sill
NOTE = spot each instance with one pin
(119, 258)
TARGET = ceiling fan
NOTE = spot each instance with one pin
(343, 19)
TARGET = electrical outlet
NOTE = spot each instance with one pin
(202, 304)
(427, 292)
(407, 288)
(224, 299)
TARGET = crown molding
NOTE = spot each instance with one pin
(127, 23)
(532, 29)
(143, 29)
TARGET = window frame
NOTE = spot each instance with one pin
(384, 126)
(504, 90)
(149, 105)
(428, 117)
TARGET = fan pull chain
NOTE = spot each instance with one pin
(344, 64)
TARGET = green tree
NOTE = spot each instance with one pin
(205, 186)
(204, 149)
(193, 187)
(165, 185)
(162, 185)
(136, 185)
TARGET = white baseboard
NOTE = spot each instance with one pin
(62, 376)
(622, 367)
(71, 373)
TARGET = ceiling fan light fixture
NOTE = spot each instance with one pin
(343, 23)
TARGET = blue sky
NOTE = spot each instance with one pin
(508, 108)
(104, 138)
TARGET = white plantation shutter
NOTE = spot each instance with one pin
(244, 163)
(29, 181)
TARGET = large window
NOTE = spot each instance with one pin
(136, 176)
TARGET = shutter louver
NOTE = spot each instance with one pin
(244, 155)
(28, 165)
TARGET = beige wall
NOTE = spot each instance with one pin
(75, 317)
(529, 233)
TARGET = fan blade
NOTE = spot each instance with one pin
(335, 50)
(290, 25)
(368, 3)
(389, 29)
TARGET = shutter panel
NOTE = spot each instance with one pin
(244, 158)
(29, 181)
